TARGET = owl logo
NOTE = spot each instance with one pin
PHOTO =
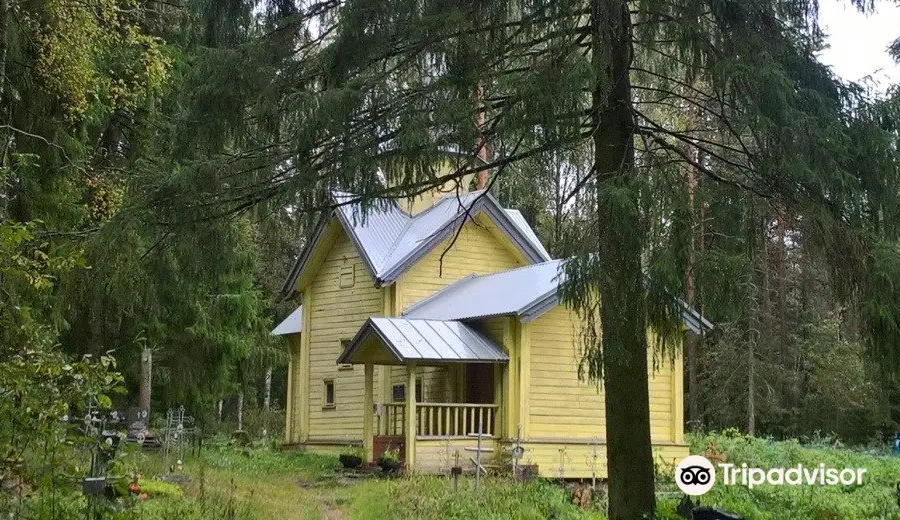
(695, 475)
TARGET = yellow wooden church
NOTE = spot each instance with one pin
(426, 320)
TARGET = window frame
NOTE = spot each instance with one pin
(326, 405)
(420, 391)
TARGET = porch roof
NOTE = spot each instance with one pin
(391, 341)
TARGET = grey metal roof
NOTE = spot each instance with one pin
(527, 292)
(390, 241)
(520, 222)
(426, 341)
(513, 292)
(694, 320)
(293, 324)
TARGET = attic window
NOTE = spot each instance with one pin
(347, 276)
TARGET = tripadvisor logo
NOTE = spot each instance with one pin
(695, 475)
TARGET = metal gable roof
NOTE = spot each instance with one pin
(375, 231)
(293, 324)
(527, 292)
(390, 241)
(519, 220)
(427, 341)
(511, 292)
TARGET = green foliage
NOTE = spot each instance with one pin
(93, 52)
(42, 390)
(433, 498)
(159, 488)
(391, 455)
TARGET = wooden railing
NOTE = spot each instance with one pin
(392, 420)
(440, 419)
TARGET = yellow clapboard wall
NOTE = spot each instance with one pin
(566, 416)
(342, 296)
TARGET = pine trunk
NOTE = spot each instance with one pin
(623, 319)
(692, 340)
(146, 380)
(781, 333)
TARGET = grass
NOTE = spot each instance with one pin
(229, 483)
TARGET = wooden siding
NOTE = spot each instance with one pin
(292, 402)
(575, 459)
(336, 313)
(437, 456)
(477, 250)
(560, 402)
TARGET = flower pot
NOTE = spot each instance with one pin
(388, 465)
(350, 461)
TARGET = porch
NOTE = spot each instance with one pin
(429, 434)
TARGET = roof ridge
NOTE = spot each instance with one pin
(411, 219)
(469, 210)
(530, 266)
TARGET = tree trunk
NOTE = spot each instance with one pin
(690, 294)
(240, 410)
(622, 313)
(267, 401)
(4, 46)
(781, 333)
(146, 380)
(220, 411)
(751, 388)
(267, 393)
(693, 393)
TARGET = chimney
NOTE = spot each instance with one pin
(481, 150)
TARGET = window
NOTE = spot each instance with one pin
(347, 277)
(345, 344)
(329, 394)
(398, 392)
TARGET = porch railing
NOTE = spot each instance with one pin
(440, 419)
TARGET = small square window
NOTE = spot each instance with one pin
(398, 392)
(329, 394)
